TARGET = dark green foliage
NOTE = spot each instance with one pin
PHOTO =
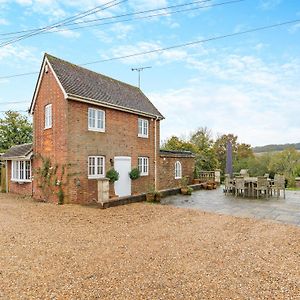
(112, 175)
(134, 174)
(15, 129)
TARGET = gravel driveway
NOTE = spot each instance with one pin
(142, 251)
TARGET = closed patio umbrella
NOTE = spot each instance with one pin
(228, 169)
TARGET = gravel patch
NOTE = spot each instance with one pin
(142, 251)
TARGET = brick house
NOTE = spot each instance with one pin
(89, 123)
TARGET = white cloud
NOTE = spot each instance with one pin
(294, 28)
(3, 21)
(16, 54)
(160, 57)
(146, 4)
(269, 4)
(69, 33)
(244, 95)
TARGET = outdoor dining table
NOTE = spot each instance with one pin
(250, 185)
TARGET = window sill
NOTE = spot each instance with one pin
(21, 181)
(142, 136)
(144, 174)
(47, 128)
(96, 130)
(96, 177)
(178, 177)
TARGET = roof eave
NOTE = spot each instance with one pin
(108, 105)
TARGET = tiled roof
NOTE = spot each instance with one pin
(18, 151)
(176, 153)
(86, 84)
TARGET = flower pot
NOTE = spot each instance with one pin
(150, 197)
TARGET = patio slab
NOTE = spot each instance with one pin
(277, 209)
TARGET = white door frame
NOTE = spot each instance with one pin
(123, 184)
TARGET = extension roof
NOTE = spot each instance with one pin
(176, 153)
(84, 85)
(18, 151)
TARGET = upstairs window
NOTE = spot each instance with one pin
(48, 116)
(21, 170)
(143, 126)
(178, 170)
(96, 167)
(143, 166)
(96, 119)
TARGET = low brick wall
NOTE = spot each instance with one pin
(141, 197)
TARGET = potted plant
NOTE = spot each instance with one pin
(185, 189)
(113, 176)
(134, 174)
(153, 195)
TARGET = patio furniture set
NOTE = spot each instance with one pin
(261, 186)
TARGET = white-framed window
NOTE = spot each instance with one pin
(143, 126)
(48, 116)
(143, 165)
(96, 119)
(96, 167)
(21, 170)
(178, 170)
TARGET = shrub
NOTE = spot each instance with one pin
(112, 175)
(134, 174)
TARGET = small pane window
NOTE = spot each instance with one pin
(143, 165)
(48, 116)
(178, 170)
(96, 119)
(21, 170)
(143, 128)
(96, 167)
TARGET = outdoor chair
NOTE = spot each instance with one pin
(278, 185)
(229, 187)
(240, 188)
(262, 186)
(244, 173)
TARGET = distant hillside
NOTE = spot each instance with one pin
(272, 148)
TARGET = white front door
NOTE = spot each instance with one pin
(122, 165)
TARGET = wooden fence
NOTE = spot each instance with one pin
(2, 179)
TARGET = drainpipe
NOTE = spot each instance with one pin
(155, 154)
(6, 176)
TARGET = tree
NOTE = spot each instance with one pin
(175, 143)
(287, 163)
(15, 129)
(205, 154)
(220, 147)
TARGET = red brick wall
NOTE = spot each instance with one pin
(24, 188)
(49, 142)
(167, 170)
(70, 143)
(119, 139)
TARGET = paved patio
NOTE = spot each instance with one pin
(278, 209)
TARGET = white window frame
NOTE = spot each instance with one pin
(21, 171)
(48, 116)
(143, 128)
(96, 116)
(96, 167)
(143, 165)
(178, 170)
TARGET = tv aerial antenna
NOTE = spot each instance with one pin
(139, 70)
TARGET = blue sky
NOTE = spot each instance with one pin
(247, 85)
